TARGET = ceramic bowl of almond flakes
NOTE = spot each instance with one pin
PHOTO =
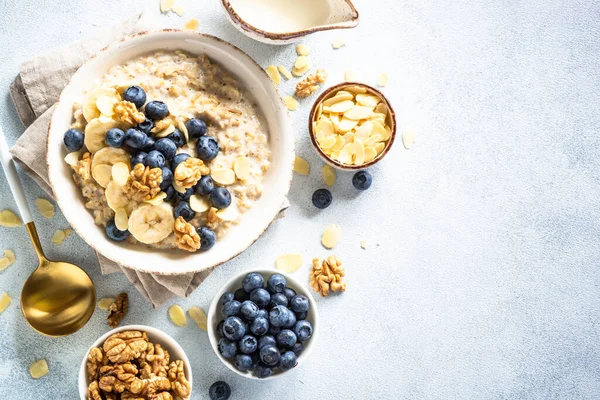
(352, 126)
(135, 362)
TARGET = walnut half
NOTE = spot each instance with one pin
(118, 310)
(189, 172)
(127, 113)
(186, 236)
(310, 84)
(326, 275)
(145, 181)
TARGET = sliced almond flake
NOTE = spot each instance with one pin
(291, 103)
(348, 138)
(199, 203)
(4, 302)
(105, 105)
(157, 200)
(382, 79)
(166, 5)
(378, 129)
(38, 369)
(102, 174)
(344, 156)
(324, 127)
(364, 130)
(335, 119)
(10, 255)
(334, 155)
(289, 263)
(338, 98)
(408, 138)
(73, 158)
(9, 219)
(381, 108)
(359, 152)
(367, 100)
(356, 89)
(44, 205)
(230, 213)
(273, 73)
(165, 132)
(373, 139)
(4, 263)
(301, 62)
(370, 153)
(300, 71)
(183, 129)
(105, 303)
(223, 176)
(285, 72)
(338, 43)
(178, 9)
(347, 125)
(301, 166)
(358, 112)
(388, 132)
(379, 147)
(178, 189)
(199, 317)
(363, 244)
(327, 143)
(319, 111)
(241, 167)
(121, 219)
(191, 25)
(302, 50)
(177, 315)
(349, 75)
(339, 143)
(329, 175)
(340, 107)
(120, 173)
(331, 236)
(58, 237)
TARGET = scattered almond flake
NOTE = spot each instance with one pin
(382, 79)
(105, 302)
(328, 175)
(158, 199)
(331, 236)
(199, 203)
(4, 302)
(178, 9)
(10, 255)
(72, 158)
(300, 71)
(273, 73)
(121, 219)
(60, 235)
(229, 214)
(7, 260)
(336, 44)
(301, 62)
(241, 167)
(223, 176)
(191, 25)
(349, 75)
(289, 262)
(285, 72)
(45, 207)
(301, 166)
(199, 316)
(166, 5)
(120, 173)
(363, 244)
(408, 138)
(4, 263)
(38, 369)
(291, 103)
(302, 50)
(177, 315)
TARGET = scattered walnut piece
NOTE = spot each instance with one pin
(127, 113)
(189, 172)
(309, 85)
(326, 275)
(84, 167)
(118, 310)
(145, 181)
(186, 236)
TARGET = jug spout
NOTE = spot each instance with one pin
(342, 14)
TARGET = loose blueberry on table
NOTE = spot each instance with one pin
(264, 325)
(220, 390)
(322, 198)
(362, 180)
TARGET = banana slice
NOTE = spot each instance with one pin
(117, 197)
(90, 108)
(95, 132)
(151, 224)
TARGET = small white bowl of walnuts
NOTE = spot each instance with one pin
(135, 362)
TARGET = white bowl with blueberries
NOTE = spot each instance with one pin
(262, 324)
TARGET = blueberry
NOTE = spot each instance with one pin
(269, 354)
(261, 297)
(195, 127)
(299, 303)
(301, 315)
(261, 370)
(185, 195)
(73, 139)
(262, 313)
(177, 137)
(114, 137)
(243, 362)
(136, 95)
(146, 126)
(288, 360)
(259, 326)
(155, 159)
(286, 338)
(266, 340)
(230, 308)
(207, 148)
(226, 297)
(156, 110)
(249, 310)
(219, 390)
(297, 348)
(114, 233)
(149, 144)
(362, 180)
(170, 193)
(220, 198)
(182, 209)
(227, 348)
(291, 320)
(208, 238)
(166, 147)
(278, 299)
(289, 293)
(248, 344)
(178, 159)
(234, 328)
(322, 198)
(274, 330)
(138, 158)
(303, 330)
(253, 281)
(135, 139)
(241, 295)
(204, 186)
(276, 283)
(278, 316)
(167, 178)
(220, 328)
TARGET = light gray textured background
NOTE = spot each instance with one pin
(480, 280)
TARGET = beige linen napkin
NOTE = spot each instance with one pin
(34, 92)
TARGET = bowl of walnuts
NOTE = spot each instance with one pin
(135, 362)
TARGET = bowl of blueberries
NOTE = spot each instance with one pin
(262, 324)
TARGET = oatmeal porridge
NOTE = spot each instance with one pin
(168, 150)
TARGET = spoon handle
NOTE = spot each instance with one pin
(13, 180)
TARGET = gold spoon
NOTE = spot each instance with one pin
(58, 298)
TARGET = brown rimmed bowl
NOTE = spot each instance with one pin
(330, 92)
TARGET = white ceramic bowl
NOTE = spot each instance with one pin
(154, 335)
(253, 222)
(214, 317)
